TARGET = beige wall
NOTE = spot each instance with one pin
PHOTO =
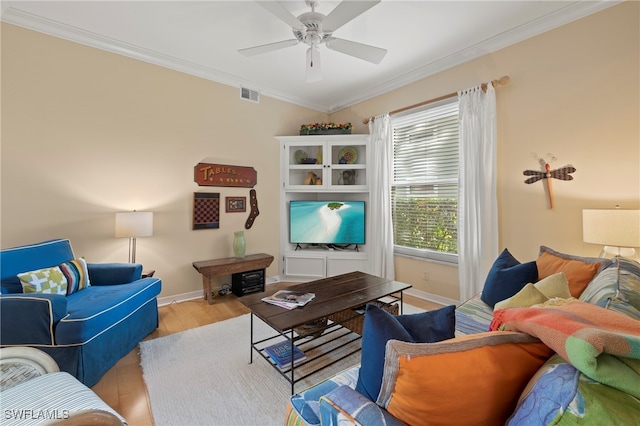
(575, 93)
(86, 133)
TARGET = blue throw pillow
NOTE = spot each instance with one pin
(380, 326)
(507, 277)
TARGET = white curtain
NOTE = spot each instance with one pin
(381, 226)
(477, 201)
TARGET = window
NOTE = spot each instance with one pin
(424, 193)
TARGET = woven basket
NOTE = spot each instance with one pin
(354, 321)
(313, 328)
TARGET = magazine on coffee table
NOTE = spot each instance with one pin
(289, 299)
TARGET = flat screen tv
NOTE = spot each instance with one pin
(326, 222)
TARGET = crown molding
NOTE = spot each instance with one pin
(33, 22)
(562, 16)
(570, 13)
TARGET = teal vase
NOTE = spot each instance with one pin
(239, 244)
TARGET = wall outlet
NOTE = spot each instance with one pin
(425, 276)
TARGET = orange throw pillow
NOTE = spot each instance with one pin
(578, 273)
(470, 380)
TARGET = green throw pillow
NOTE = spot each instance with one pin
(528, 296)
(47, 280)
(555, 285)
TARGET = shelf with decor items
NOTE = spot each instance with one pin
(322, 168)
(338, 162)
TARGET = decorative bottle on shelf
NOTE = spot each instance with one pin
(239, 244)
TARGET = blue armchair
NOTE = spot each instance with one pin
(88, 331)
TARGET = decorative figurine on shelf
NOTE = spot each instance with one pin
(562, 173)
(348, 177)
(312, 179)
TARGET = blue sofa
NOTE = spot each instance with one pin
(88, 331)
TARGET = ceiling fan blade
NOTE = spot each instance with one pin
(345, 12)
(362, 51)
(257, 50)
(277, 9)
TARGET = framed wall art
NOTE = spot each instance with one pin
(236, 204)
(206, 210)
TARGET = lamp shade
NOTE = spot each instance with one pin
(134, 224)
(614, 227)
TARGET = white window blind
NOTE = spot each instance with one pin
(424, 191)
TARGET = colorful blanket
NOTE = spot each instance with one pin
(602, 344)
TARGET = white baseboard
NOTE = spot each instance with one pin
(431, 297)
(177, 298)
(272, 280)
(198, 294)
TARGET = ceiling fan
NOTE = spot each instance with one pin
(313, 29)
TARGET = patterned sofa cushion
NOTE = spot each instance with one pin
(345, 406)
(304, 408)
(473, 316)
(560, 394)
(621, 295)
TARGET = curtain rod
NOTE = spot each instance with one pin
(502, 81)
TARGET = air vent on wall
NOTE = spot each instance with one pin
(249, 95)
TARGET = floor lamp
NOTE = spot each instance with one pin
(133, 225)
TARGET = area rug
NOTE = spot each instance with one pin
(202, 376)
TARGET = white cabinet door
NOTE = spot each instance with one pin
(305, 266)
(342, 265)
(320, 163)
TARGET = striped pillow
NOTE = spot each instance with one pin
(77, 275)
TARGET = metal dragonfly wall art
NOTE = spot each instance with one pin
(563, 173)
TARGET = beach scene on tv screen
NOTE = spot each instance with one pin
(327, 222)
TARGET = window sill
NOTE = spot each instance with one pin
(439, 258)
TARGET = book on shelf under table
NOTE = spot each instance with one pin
(289, 299)
(280, 353)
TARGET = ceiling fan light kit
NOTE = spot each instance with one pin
(313, 29)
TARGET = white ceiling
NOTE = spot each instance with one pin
(202, 38)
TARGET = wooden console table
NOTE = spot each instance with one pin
(230, 265)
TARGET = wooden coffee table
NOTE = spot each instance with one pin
(333, 295)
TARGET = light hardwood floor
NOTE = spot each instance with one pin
(123, 387)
